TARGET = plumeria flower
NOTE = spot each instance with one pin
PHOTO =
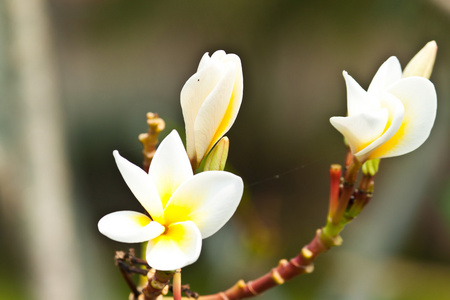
(392, 118)
(182, 208)
(210, 101)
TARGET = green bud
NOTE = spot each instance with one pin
(217, 157)
(370, 167)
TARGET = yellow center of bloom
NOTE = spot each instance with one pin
(173, 234)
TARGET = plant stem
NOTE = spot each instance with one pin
(335, 182)
(128, 280)
(176, 288)
(286, 270)
(158, 284)
(334, 224)
(149, 140)
(362, 196)
(324, 239)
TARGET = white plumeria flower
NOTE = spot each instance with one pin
(210, 101)
(392, 118)
(184, 208)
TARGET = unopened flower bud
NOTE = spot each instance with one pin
(370, 167)
(422, 63)
(210, 100)
(217, 158)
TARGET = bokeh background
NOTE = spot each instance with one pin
(78, 76)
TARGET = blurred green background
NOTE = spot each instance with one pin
(78, 76)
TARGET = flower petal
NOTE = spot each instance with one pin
(194, 93)
(419, 99)
(170, 166)
(204, 61)
(362, 129)
(213, 110)
(178, 247)
(129, 227)
(396, 113)
(358, 100)
(234, 103)
(389, 72)
(141, 185)
(208, 199)
(218, 55)
(423, 62)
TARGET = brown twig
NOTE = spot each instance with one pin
(324, 239)
(361, 197)
(347, 191)
(149, 140)
(286, 270)
(157, 284)
(124, 269)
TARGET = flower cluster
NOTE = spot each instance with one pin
(183, 208)
(393, 117)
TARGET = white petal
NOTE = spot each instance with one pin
(178, 247)
(208, 199)
(129, 227)
(194, 93)
(141, 185)
(234, 104)
(219, 55)
(396, 113)
(358, 100)
(418, 96)
(213, 111)
(389, 72)
(205, 60)
(362, 129)
(170, 166)
(422, 63)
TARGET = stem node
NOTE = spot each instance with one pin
(223, 296)
(277, 277)
(283, 262)
(251, 289)
(308, 254)
(309, 268)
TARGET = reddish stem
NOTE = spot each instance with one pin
(286, 270)
(347, 191)
(362, 196)
(176, 288)
(335, 181)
